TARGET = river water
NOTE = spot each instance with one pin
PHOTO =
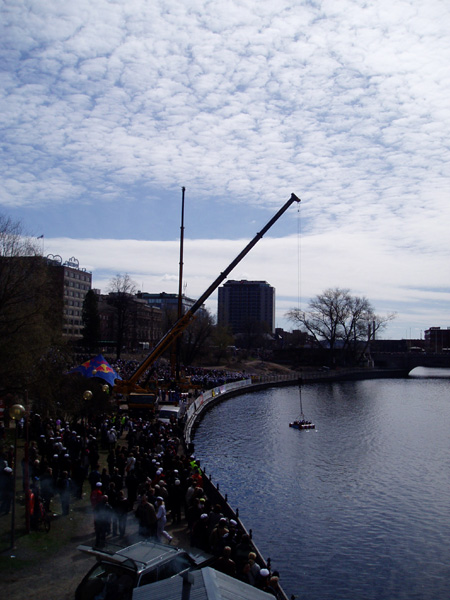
(358, 508)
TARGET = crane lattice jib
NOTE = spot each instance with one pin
(181, 324)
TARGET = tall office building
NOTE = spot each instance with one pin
(241, 304)
(72, 285)
(65, 286)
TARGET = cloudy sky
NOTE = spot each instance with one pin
(108, 108)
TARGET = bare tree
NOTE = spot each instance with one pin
(122, 290)
(196, 337)
(338, 318)
(28, 322)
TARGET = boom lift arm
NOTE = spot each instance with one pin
(180, 325)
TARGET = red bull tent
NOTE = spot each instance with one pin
(98, 367)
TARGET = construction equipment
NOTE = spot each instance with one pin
(131, 385)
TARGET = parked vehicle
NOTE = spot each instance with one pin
(118, 571)
(169, 413)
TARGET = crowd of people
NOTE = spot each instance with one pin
(147, 474)
(198, 376)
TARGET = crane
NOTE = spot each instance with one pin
(131, 385)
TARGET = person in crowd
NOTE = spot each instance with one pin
(263, 580)
(63, 486)
(146, 515)
(215, 515)
(96, 494)
(121, 511)
(253, 572)
(94, 477)
(105, 478)
(117, 479)
(113, 497)
(243, 548)
(47, 488)
(274, 587)
(6, 490)
(218, 537)
(225, 564)
(176, 496)
(102, 521)
(161, 520)
(200, 533)
(131, 483)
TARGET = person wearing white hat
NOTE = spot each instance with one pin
(6, 490)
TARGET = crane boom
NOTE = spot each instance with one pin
(181, 324)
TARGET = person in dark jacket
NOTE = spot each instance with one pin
(6, 490)
(64, 488)
(102, 521)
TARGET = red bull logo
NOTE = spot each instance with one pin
(104, 369)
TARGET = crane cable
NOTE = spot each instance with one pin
(299, 259)
(299, 292)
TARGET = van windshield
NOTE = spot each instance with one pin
(166, 414)
(107, 581)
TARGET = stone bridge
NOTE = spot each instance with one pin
(407, 361)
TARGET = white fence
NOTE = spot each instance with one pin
(208, 397)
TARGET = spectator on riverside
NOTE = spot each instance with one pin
(94, 477)
(96, 494)
(64, 488)
(131, 483)
(47, 488)
(274, 587)
(263, 580)
(176, 501)
(161, 520)
(225, 564)
(102, 521)
(200, 533)
(253, 572)
(218, 537)
(146, 516)
(6, 490)
(122, 513)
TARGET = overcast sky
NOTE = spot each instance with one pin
(108, 108)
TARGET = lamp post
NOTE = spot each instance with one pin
(27, 466)
(16, 412)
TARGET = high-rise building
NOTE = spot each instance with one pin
(72, 285)
(67, 285)
(242, 304)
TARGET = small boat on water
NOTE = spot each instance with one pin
(301, 422)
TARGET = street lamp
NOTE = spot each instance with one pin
(16, 412)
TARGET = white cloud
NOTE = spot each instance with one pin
(345, 103)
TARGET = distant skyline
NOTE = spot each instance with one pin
(107, 109)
